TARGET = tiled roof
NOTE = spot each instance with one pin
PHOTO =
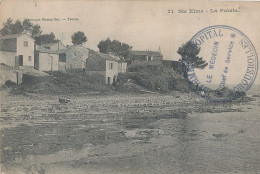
(12, 36)
(81, 50)
(145, 53)
(50, 44)
(108, 57)
(44, 50)
(97, 55)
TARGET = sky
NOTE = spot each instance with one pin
(145, 25)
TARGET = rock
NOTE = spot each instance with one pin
(221, 135)
(61, 100)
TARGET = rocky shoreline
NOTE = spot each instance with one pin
(97, 127)
(36, 107)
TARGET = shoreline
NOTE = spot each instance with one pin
(92, 127)
(33, 108)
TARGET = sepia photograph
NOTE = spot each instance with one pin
(129, 87)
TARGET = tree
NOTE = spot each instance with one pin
(114, 47)
(36, 31)
(32, 30)
(27, 25)
(12, 28)
(7, 27)
(104, 46)
(45, 38)
(189, 57)
(79, 38)
(19, 27)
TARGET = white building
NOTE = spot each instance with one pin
(104, 68)
(17, 50)
(46, 60)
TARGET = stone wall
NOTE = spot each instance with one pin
(11, 74)
(96, 76)
(8, 58)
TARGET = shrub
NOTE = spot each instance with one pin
(95, 78)
(155, 76)
(225, 94)
(59, 82)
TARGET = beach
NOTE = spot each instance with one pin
(128, 133)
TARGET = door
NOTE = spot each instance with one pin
(109, 80)
(51, 63)
(114, 79)
(20, 60)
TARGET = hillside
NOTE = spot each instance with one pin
(155, 76)
(140, 78)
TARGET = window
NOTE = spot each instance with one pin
(25, 43)
(110, 65)
(29, 58)
(62, 58)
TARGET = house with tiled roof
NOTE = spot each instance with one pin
(104, 68)
(52, 46)
(147, 55)
(17, 50)
(69, 57)
(46, 60)
(73, 57)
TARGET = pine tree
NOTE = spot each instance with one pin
(189, 57)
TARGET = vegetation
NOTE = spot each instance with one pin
(74, 81)
(45, 39)
(26, 26)
(114, 47)
(17, 27)
(189, 57)
(155, 76)
(224, 94)
(146, 76)
(79, 38)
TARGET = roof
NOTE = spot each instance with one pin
(51, 44)
(12, 36)
(104, 56)
(81, 50)
(145, 53)
(48, 44)
(44, 50)
(108, 57)
(77, 48)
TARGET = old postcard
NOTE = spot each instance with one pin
(129, 87)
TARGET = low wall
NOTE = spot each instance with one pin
(9, 73)
(96, 76)
(7, 58)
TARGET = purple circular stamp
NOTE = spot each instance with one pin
(232, 62)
